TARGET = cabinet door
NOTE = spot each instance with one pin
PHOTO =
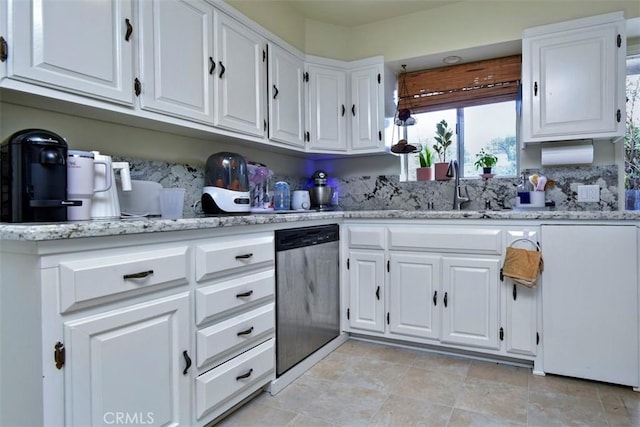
(572, 84)
(471, 301)
(130, 363)
(177, 80)
(590, 302)
(75, 45)
(413, 295)
(521, 303)
(286, 91)
(366, 290)
(327, 109)
(366, 126)
(240, 77)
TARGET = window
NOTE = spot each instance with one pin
(477, 100)
(490, 126)
(632, 136)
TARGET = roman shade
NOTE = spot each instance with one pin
(464, 85)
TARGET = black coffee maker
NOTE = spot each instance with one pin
(33, 171)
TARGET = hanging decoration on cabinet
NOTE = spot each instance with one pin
(523, 266)
(402, 119)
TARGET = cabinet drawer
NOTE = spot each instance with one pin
(234, 295)
(229, 254)
(366, 237)
(466, 240)
(228, 381)
(84, 282)
(225, 339)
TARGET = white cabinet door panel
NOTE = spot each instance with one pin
(327, 109)
(471, 301)
(240, 77)
(366, 279)
(413, 295)
(129, 361)
(286, 93)
(177, 55)
(366, 130)
(590, 302)
(75, 45)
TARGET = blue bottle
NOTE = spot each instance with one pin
(281, 196)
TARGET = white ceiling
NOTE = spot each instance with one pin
(351, 13)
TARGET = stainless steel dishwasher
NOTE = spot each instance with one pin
(307, 292)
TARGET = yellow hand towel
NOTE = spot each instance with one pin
(523, 266)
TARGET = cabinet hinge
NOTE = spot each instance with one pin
(348, 313)
(307, 136)
(379, 79)
(59, 354)
(265, 125)
(388, 266)
(4, 50)
(537, 338)
(618, 115)
(379, 135)
(264, 55)
(348, 263)
(305, 77)
(501, 334)
(515, 292)
(137, 86)
(619, 40)
(388, 322)
(501, 275)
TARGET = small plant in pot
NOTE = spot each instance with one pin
(443, 141)
(486, 161)
(425, 171)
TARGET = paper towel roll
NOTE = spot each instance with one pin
(566, 155)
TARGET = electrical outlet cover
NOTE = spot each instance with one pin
(588, 193)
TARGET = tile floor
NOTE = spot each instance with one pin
(366, 384)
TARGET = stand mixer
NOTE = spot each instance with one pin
(321, 194)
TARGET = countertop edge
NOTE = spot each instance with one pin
(71, 230)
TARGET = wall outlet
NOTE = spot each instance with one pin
(588, 193)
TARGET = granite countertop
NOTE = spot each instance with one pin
(70, 230)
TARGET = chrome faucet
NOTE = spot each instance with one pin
(453, 171)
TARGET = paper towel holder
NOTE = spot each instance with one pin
(577, 153)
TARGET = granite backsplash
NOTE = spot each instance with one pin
(387, 192)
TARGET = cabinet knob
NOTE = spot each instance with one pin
(222, 69)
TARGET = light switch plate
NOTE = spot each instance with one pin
(588, 193)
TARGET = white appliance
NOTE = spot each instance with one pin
(106, 205)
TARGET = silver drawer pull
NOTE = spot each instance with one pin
(140, 275)
(244, 294)
(243, 376)
(245, 332)
(245, 256)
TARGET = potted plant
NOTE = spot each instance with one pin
(486, 161)
(443, 141)
(425, 171)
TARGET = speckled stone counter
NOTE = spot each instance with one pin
(70, 230)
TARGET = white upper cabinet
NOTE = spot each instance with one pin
(366, 109)
(240, 77)
(79, 46)
(573, 79)
(286, 94)
(327, 110)
(177, 80)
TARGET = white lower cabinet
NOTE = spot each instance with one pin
(590, 300)
(130, 363)
(441, 286)
(414, 294)
(471, 301)
(140, 330)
